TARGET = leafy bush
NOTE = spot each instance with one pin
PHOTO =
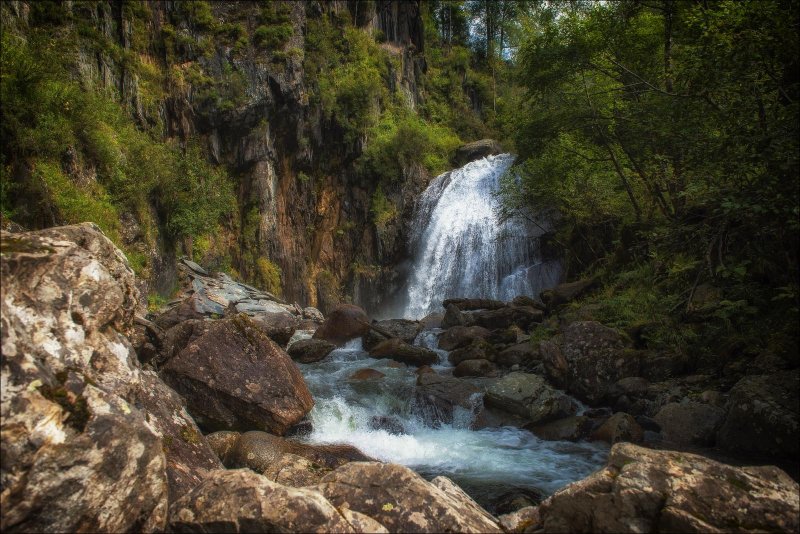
(269, 275)
(272, 37)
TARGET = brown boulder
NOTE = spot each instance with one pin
(459, 336)
(522, 316)
(344, 323)
(396, 349)
(366, 374)
(525, 353)
(529, 396)
(404, 329)
(453, 317)
(478, 349)
(279, 327)
(474, 304)
(475, 368)
(569, 428)
(619, 427)
(441, 399)
(234, 377)
(310, 350)
(643, 490)
(564, 293)
(403, 501)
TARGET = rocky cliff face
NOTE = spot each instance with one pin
(251, 100)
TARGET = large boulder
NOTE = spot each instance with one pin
(525, 353)
(402, 501)
(762, 415)
(344, 323)
(400, 351)
(689, 423)
(570, 428)
(279, 327)
(453, 317)
(529, 396)
(189, 455)
(243, 501)
(77, 454)
(235, 378)
(587, 359)
(310, 350)
(619, 427)
(643, 490)
(478, 349)
(444, 399)
(404, 329)
(475, 368)
(476, 150)
(459, 336)
(474, 304)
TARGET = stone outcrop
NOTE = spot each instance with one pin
(587, 359)
(344, 323)
(529, 396)
(77, 454)
(642, 490)
(235, 378)
(403, 501)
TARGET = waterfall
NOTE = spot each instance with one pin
(461, 248)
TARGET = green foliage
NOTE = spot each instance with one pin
(401, 139)
(269, 275)
(383, 210)
(272, 37)
(199, 14)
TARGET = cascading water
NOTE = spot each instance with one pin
(463, 249)
(382, 419)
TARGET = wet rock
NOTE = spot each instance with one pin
(390, 424)
(515, 500)
(396, 349)
(523, 520)
(459, 336)
(478, 349)
(189, 455)
(243, 501)
(567, 429)
(404, 329)
(520, 354)
(442, 399)
(301, 429)
(310, 350)
(367, 374)
(453, 317)
(344, 323)
(522, 300)
(643, 490)
(689, 423)
(564, 293)
(474, 304)
(258, 450)
(522, 317)
(77, 454)
(476, 150)
(619, 427)
(431, 321)
(529, 396)
(762, 415)
(279, 327)
(587, 359)
(403, 501)
(234, 377)
(488, 417)
(475, 368)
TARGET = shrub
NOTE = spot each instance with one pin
(272, 37)
(269, 275)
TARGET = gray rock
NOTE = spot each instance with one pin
(475, 368)
(279, 327)
(476, 150)
(567, 429)
(478, 349)
(520, 354)
(443, 399)
(313, 314)
(459, 336)
(564, 293)
(344, 323)
(522, 316)
(310, 350)
(762, 415)
(643, 490)
(453, 317)
(529, 396)
(689, 423)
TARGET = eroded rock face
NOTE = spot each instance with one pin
(762, 415)
(77, 455)
(587, 359)
(234, 377)
(243, 501)
(529, 396)
(403, 501)
(344, 323)
(643, 490)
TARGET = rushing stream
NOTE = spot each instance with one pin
(462, 250)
